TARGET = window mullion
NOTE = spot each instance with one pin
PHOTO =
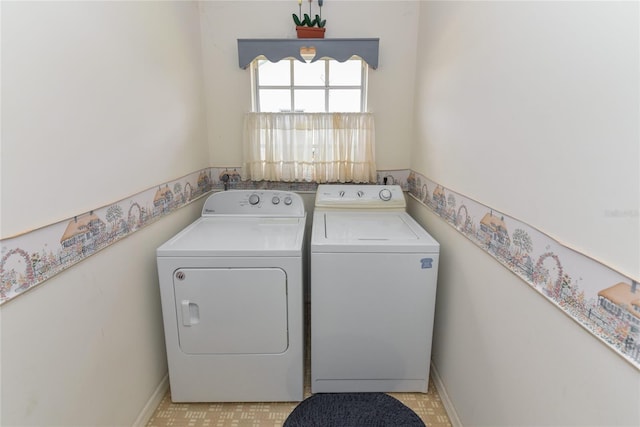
(363, 87)
(291, 86)
(327, 79)
(255, 98)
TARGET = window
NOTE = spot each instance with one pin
(309, 122)
(322, 86)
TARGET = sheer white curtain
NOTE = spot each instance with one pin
(318, 147)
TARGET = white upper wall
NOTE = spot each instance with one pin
(100, 100)
(390, 86)
(532, 108)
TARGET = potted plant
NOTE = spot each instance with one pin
(306, 27)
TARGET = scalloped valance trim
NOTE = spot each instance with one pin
(339, 49)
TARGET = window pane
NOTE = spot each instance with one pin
(344, 101)
(308, 74)
(345, 73)
(274, 100)
(343, 91)
(309, 101)
(274, 73)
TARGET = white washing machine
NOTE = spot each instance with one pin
(231, 290)
(373, 287)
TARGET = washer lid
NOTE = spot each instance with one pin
(366, 231)
(235, 236)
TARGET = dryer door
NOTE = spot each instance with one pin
(231, 310)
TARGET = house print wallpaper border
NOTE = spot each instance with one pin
(31, 258)
(604, 302)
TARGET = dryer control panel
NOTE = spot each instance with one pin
(254, 203)
(347, 196)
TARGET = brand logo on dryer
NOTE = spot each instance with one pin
(426, 263)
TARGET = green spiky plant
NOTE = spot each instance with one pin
(307, 21)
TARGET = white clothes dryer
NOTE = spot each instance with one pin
(231, 291)
(373, 287)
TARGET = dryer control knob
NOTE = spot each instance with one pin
(360, 193)
(254, 199)
(385, 194)
(341, 193)
(288, 200)
(275, 200)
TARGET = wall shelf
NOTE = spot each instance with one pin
(339, 49)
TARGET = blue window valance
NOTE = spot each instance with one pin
(339, 49)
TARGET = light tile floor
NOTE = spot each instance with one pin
(428, 406)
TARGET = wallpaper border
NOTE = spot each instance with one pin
(603, 301)
(600, 299)
(29, 259)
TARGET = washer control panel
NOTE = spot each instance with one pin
(345, 196)
(254, 202)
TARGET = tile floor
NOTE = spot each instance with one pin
(428, 406)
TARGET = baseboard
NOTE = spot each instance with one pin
(152, 403)
(444, 397)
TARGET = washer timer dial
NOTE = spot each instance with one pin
(385, 194)
(254, 199)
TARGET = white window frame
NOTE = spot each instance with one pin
(256, 87)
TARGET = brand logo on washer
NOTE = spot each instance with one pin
(426, 262)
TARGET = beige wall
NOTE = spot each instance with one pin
(390, 86)
(100, 100)
(508, 357)
(523, 106)
(86, 348)
(530, 108)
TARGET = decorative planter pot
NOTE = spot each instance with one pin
(310, 32)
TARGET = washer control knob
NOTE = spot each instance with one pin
(288, 200)
(385, 194)
(254, 199)
(275, 200)
(341, 193)
(360, 193)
